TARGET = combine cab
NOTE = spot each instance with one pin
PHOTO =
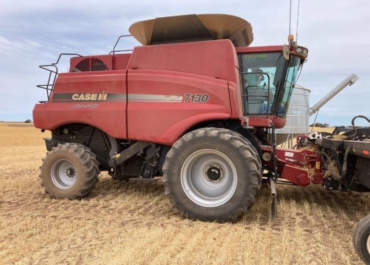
(195, 104)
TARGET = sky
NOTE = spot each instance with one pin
(336, 32)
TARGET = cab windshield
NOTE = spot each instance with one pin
(267, 82)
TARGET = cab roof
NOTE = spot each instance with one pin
(273, 48)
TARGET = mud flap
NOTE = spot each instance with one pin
(273, 199)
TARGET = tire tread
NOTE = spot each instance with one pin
(245, 149)
(88, 161)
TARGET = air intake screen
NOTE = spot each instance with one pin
(90, 64)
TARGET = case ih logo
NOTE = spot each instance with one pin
(90, 97)
(131, 97)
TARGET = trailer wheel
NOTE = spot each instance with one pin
(361, 239)
(70, 170)
(212, 174)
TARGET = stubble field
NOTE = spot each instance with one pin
(134, 223)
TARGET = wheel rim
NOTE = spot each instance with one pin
(63, 174)
(208, 177)
(368, 244)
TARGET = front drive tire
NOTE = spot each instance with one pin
(70, 170)
(212, 174)
(361, 239)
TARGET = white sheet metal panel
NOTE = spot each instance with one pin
(297, 119)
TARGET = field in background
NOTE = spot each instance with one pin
(322, 129)
(134, 223)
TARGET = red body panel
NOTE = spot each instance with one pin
(120, 61)
(296, 175)
(163, 122)
(140, 87)
(264, 121)
(300, 167)
(108, 116)
(216, 59)
(154, 73)
(199, 68)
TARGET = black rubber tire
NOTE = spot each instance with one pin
(360, 235)
(85, 164)
(246, 162)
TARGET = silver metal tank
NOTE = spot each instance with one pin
(297, 119)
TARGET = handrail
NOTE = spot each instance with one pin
(117, 51)
(114, 51)
(245, 93)
(53, 73)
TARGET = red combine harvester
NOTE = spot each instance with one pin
(195, 104)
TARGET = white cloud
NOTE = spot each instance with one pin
(8, 46)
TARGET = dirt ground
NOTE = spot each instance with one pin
(134, 223)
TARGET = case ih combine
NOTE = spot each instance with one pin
(195, 104)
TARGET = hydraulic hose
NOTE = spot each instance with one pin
(353, 123)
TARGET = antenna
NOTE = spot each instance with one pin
(291, 36)
(290, 17)
(298, 7)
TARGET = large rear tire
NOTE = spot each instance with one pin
(70, 170)
(212, 174)
(361, 239)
